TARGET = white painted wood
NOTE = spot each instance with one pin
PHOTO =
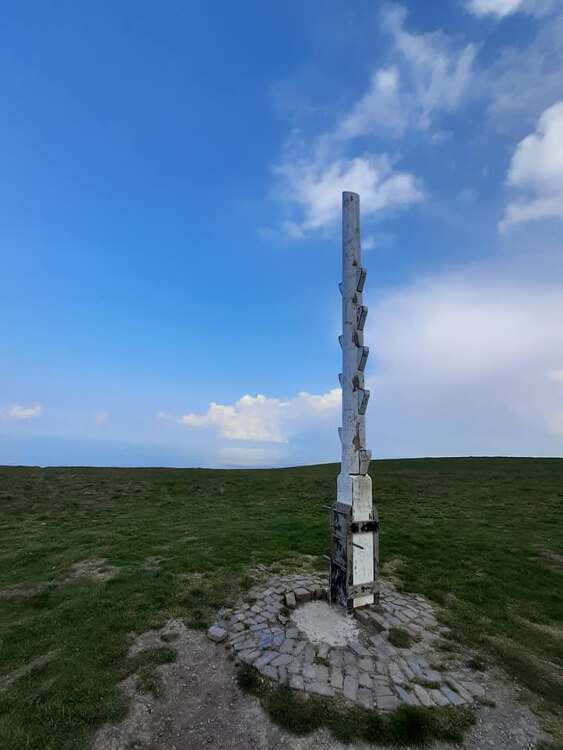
(354, 484)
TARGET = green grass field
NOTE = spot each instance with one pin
(482, 537)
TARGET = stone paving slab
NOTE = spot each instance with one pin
(369, 671)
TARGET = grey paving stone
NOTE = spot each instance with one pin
(265, 658)
(358, 649)
(364, 679)
(287, 646)
(266, 639)
(350, 658)
(283, 678)
(238, 627)
(299, 647)
(365, 697)
(249, 656)
(245, 645)
(322, 672)
(477, 691)
(438, 697)
(381, 667)
(216, 634)
(290, 600)
(350, 687)
(291, 633)
(392, 621)
(386, 702)
(282, 660)
(269, 671)
(377, 640)
(295, 666)
(309, 653)
(433, 676)
(423, 696)
(335, 657)
(323, 650)
(363, 616)
(406, 670)
(296, 682)
(366, 664)
(237, 638)
(396, 674)
(309, 671)
(336, 678)
(406, 696)
(378, 621)
(453, 698)
(319, 688)
(467, 697)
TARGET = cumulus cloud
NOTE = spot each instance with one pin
(383, 105)
(499, 8)
(262, 419)
(21, 413)
(437, 72)
(536, 172)
(533, 69)
(427, 74)
(502, 8)
(316, 188)
(468, 363)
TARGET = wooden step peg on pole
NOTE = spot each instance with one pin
(364, 352)
(363, 398)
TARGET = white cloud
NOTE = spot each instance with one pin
(316, 188)
(437, 72)
(383, 105)
(468, 363)
(22, 413)
(498, 8)
(262, 419)
(536, 171)
(502, 8)
(534, 70)
(427, 74)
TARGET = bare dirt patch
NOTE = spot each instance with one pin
(200, 706)
(552, 560)
(23, 591)
(152, 562)
(97, 570)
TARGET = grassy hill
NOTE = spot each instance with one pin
(482, 537)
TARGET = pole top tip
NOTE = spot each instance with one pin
(347, 195)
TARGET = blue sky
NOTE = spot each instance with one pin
(170, 228)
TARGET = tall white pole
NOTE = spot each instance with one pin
(354, 545)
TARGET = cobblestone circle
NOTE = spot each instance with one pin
(369, 671)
